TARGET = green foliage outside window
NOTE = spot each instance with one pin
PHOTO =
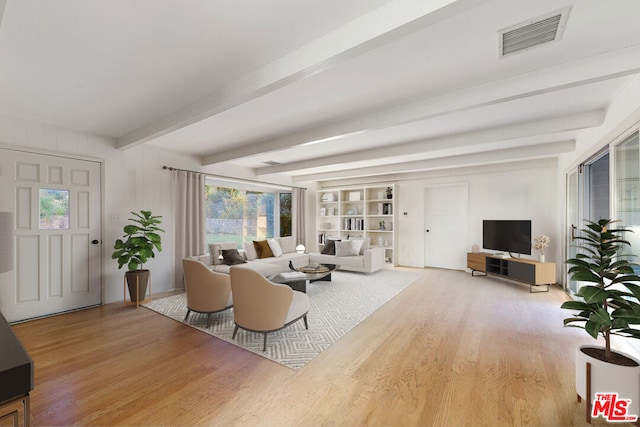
(54, 209)
(238, 215)
(285, 214)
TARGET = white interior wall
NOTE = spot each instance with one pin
(526, 190)
(132, 180)
(523, 193)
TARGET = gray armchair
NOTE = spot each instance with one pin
(263, 306)
(207, 291)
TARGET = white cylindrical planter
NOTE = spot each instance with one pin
(608, 378)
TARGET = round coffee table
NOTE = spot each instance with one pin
(306, 274)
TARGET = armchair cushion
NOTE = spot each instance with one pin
(299, 305)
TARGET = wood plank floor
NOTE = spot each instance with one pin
(450, 350)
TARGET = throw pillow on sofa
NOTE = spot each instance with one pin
(275, 247)
(329, 247)
(288, 244)
(262, 249)
(365, 244)
(232, 257)
(215, 248)
(347, 248)
(250, 251)
(357, 245)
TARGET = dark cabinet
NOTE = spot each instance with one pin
(521, 271)
(16, 374)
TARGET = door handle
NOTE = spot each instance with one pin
(95, 241)
(573, 232)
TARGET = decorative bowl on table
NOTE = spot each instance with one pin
(319, 268)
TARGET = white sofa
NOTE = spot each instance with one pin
(368, 261)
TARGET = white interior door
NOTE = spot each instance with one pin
(446, 228)
(55, 206)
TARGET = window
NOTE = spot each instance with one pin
(286, 224)
(236, 215)
(597, 175)
(591, 199)
(54, 209)
(627, 173)
(587, 198)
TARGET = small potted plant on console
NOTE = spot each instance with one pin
(609, 305)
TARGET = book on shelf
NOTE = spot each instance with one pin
(354, 224)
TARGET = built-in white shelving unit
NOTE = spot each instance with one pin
(365, 211)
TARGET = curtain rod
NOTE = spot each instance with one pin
(230, 178)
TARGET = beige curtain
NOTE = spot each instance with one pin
(189, 195)
(298, 214)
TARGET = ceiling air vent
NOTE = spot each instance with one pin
(271, 163)
(533, 33)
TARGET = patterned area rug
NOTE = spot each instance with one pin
(336, 307)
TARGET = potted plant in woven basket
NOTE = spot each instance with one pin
(140, 241)
(609, 305)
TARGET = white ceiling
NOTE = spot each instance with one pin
(326, 88)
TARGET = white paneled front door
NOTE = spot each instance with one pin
(55, 208)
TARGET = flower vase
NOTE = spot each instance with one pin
(541, 257)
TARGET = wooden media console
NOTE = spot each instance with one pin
(533, 273)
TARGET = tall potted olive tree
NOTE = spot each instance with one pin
(609, 305)
(140, 241)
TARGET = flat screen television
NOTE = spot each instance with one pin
(507, 235)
